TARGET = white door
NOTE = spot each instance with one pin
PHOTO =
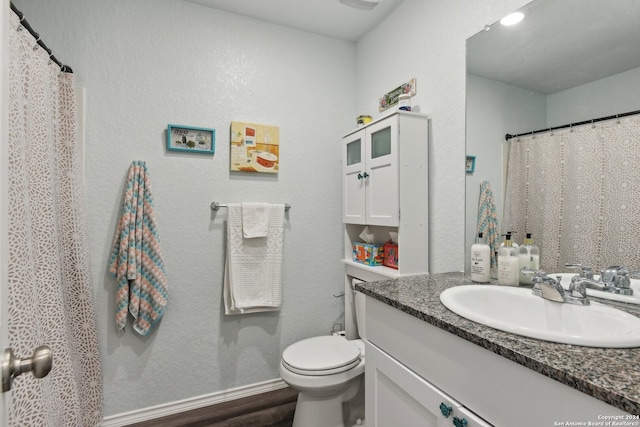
(382, 182)
(4, 341)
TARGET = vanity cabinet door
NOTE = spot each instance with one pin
(396, 396)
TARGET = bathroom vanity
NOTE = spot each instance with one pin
(424, 361)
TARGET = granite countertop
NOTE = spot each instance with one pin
(608, 374)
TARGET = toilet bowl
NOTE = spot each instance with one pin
(328, 372)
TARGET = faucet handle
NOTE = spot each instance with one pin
(577, 293)
(534, 273)
(609, 274)
(585, 271)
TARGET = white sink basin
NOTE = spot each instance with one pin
(518, 311)
(633, 299)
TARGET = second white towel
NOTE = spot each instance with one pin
(253, 268)
(255, 219)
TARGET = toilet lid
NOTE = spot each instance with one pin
(321, 356)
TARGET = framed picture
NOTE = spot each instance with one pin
(255, 148)
(191, 139)
(470, 165)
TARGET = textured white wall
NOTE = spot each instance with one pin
(609, 96)
(147, 63)
(426, 39)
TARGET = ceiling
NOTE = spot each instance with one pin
(584, 39)
(325, 17)
(560, 44)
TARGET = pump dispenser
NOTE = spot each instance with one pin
(480, 260)
(529, 257)
(508, 264)
(510, 233)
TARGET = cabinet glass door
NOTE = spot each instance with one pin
(381, 143)
(354, 152)
(353, 178)
(382, 173)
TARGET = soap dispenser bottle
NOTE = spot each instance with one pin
(529, 257)
(480, 260)
(508, 263)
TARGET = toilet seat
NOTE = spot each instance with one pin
(324, 355)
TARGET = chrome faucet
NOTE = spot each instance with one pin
(549, 288)
(614, 279)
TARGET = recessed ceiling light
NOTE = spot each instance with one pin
(361, 4)
(512, 19)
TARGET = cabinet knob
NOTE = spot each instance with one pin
(366, 175)
(459, 422)
(360, 176)
(445, 409)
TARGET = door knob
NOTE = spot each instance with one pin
(39, 364)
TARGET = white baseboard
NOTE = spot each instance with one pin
(146, 414)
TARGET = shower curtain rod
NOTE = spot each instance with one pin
(25, 24)
(586, 122)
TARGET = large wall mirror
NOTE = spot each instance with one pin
(566, 62)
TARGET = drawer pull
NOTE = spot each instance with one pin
(445, 409)
(459, 422)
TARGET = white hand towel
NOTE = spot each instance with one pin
(255, 220)
(253, 267)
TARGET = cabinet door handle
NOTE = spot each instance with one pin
(360, 176)
(445, 409)
(366, 175)
(459, 422)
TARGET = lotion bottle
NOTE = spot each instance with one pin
(529, 257)
(480, 260)
(508, 263)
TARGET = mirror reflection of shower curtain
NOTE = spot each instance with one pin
(577, 190)
(50, 290)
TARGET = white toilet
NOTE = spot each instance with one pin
(328, 372)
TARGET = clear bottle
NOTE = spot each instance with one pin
(480, 260)
(529, 257)
(508, 263)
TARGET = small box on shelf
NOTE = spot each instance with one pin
(390, 254)
(368, 254)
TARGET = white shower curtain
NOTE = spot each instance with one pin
(49, 278)
(578, 191)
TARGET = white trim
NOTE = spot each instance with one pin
(177, 407)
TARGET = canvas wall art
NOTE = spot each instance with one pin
(255, 148)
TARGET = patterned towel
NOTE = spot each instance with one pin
(136, 256)
(488, 220)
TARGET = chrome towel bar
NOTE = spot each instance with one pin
(217, 205)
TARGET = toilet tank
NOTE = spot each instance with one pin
(359, 303)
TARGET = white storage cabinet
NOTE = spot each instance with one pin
(385, 186)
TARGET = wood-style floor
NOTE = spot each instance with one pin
(272, 409)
